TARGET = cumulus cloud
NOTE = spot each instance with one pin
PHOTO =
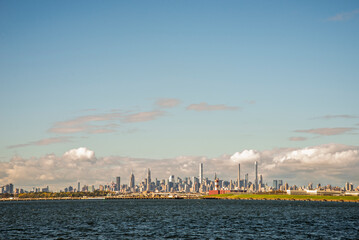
(328, 164)
(327, 131)
(295, 139)
(245, 156)
(80, 154)
(344, 16)
(330, 154)
(42, 142)
(167, 102)
(206, 107)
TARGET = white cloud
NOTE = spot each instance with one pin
(331, 154)
(245, 156)
(329, 164)
(80, 154)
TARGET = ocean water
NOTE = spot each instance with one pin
(178, 219)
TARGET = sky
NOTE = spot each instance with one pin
(91, 90)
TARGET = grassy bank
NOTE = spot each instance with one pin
(285, 197)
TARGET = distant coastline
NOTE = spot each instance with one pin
(263, 197)
(283, 197)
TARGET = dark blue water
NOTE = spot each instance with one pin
(181, 219)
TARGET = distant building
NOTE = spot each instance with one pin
(149, 180)
(201, 173)
(239, 176)
(132, 182)
(171, 179)
(280, 183)
(275, 184)
(78, 187)
(118, 183)
(246, 180)
(256, 175)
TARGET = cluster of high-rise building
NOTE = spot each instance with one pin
(8, 188)
(192, 184)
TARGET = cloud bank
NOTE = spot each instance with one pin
(336, 116)
(328, 164)
(42, 142)
(206, 107)
(344, 16)
(296, 139)
(103, 123)
(168, 102)
(327, 131)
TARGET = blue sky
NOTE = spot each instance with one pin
(259, 75)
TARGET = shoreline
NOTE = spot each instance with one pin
(301, 198)
(269, 197)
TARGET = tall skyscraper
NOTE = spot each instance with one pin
(149, 180)
(118, 183)
(200, 173)
(275, 184)
(246, 181)
(132, 182)
(78, 187)
(280, 183)
(239, 176)
(256, 175)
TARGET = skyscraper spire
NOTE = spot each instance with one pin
(256, 175)
(239, 176)
(149, 180)
(132, 182)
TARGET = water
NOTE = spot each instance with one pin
(181, 219)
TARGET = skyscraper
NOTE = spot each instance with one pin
(256, 175)
(238, 177)
(149, 180)
(132, 182)
(200, 173)
(118, 183)
(246, 181)
(280, 183)
(275, 184)
(78, 187)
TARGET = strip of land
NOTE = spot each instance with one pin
(321, 198)
(231, 196)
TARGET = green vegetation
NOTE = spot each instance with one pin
(284, 197)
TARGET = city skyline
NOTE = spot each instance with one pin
(194, 184)
(98, 90)
(255, 180)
